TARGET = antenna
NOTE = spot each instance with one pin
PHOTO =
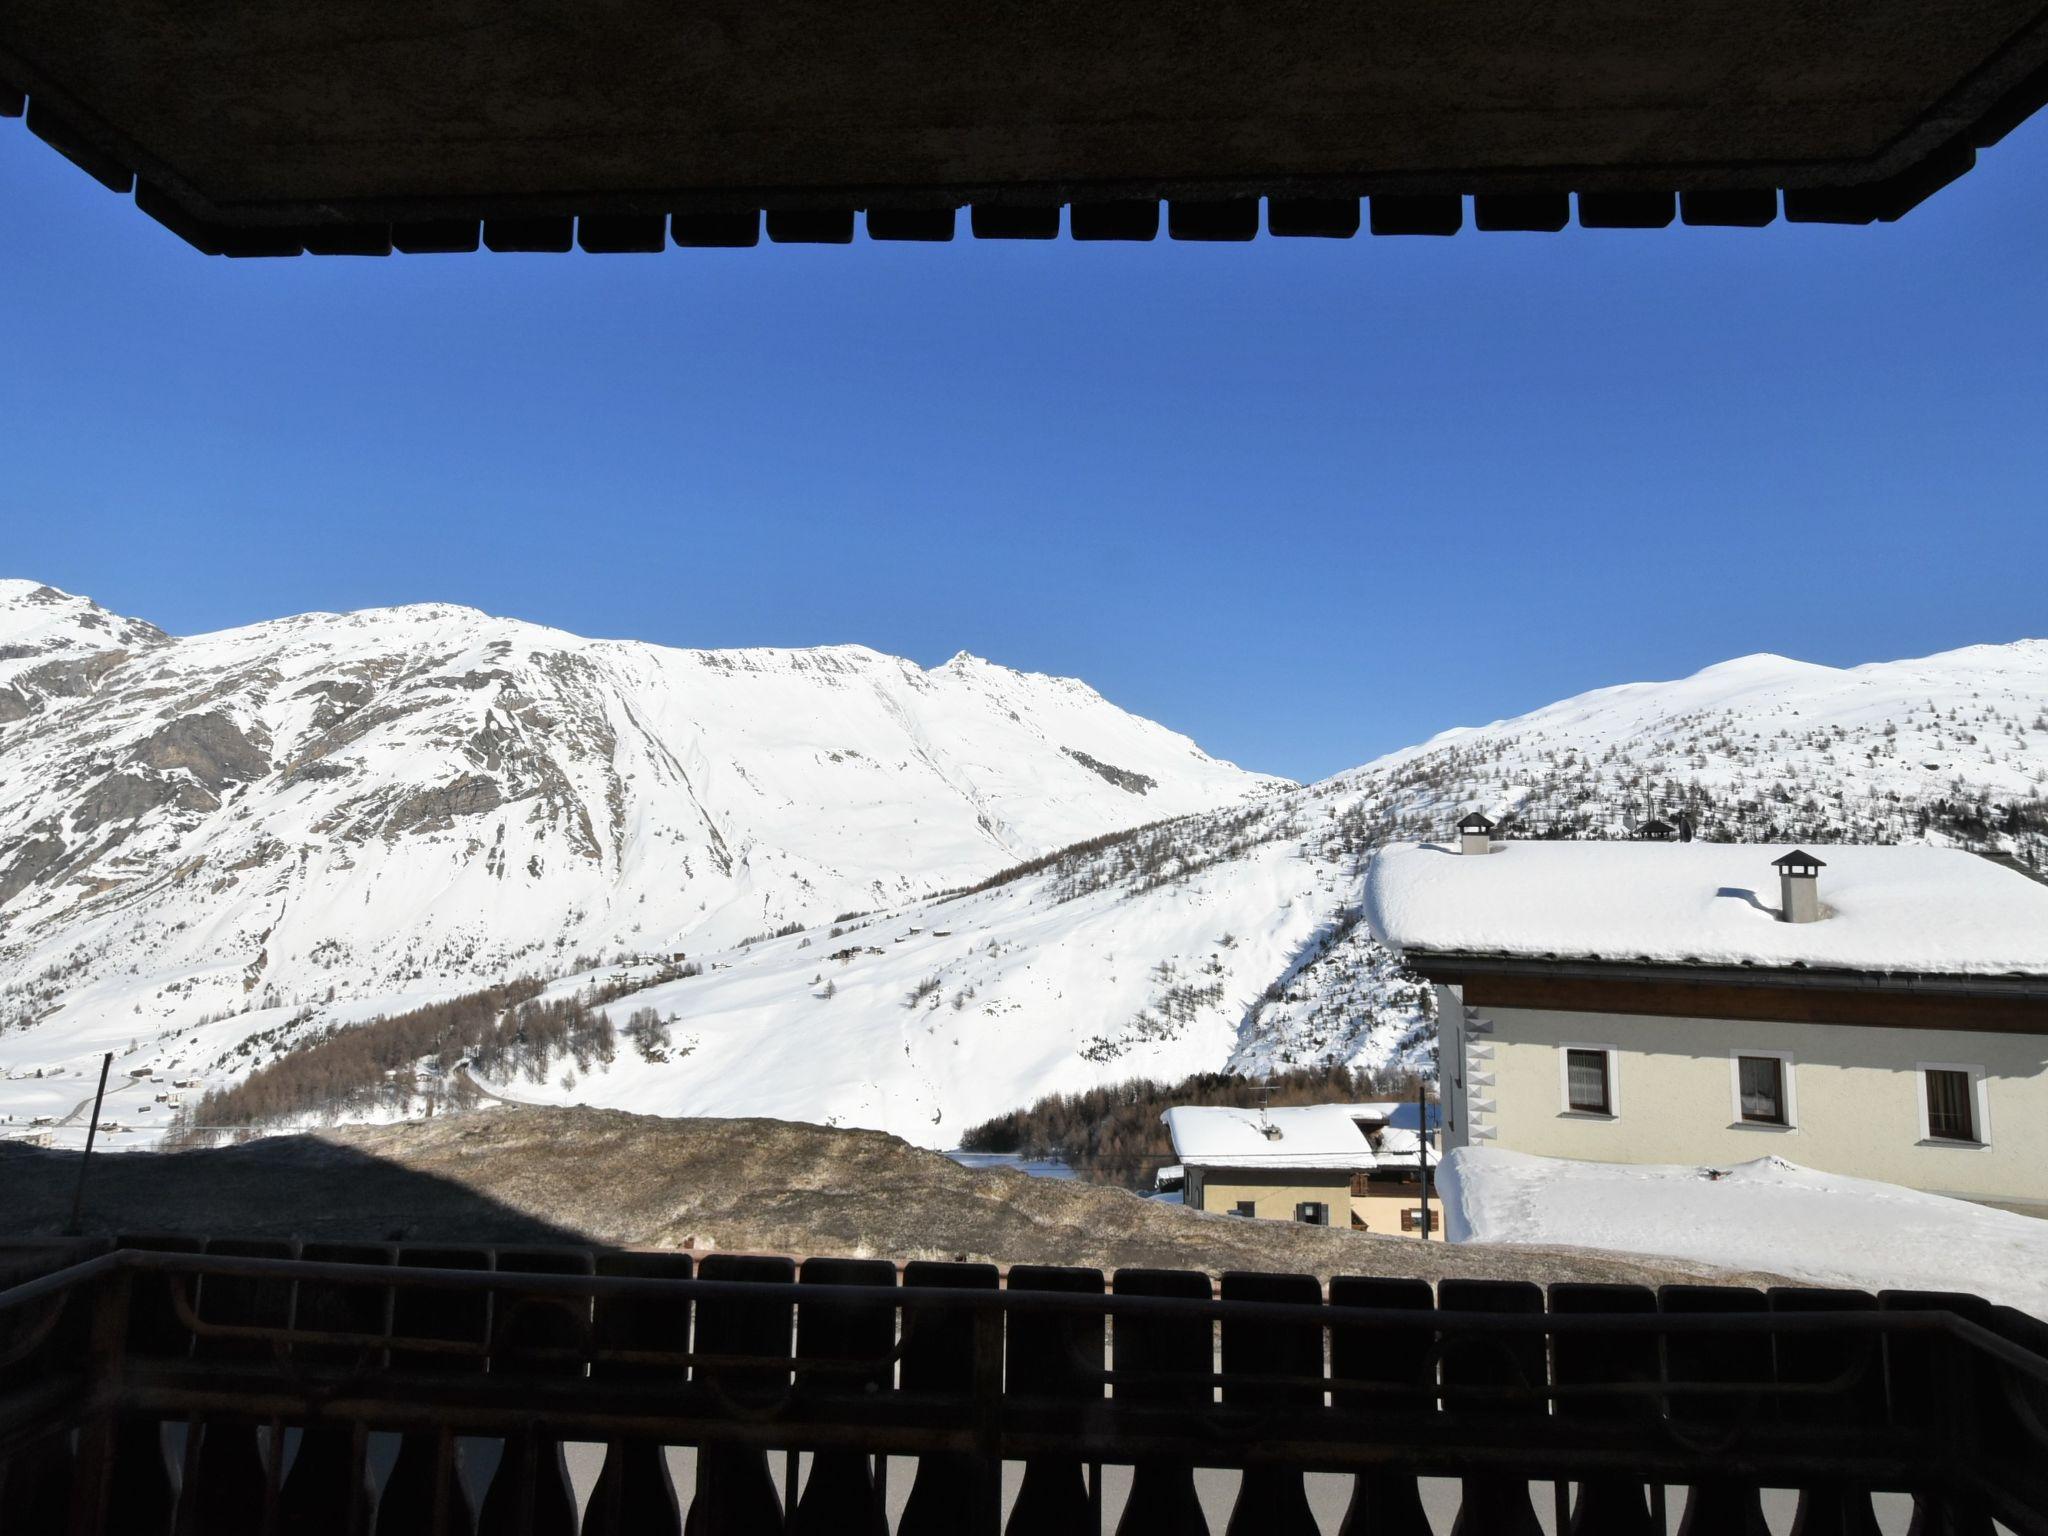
(1264, 1089)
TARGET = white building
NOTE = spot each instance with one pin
(1356, 1165)
(1881, 1012)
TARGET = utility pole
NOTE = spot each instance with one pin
(91, 1132)
(1422, 1150)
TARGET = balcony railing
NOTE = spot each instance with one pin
(165, 1387)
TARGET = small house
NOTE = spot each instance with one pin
(1346, 1165)
(1882, 1013)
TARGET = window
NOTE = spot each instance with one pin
(1587, 1086)
(1246, 1208)
(1951, 1116)
(1314, 1213)
(1760, 1090)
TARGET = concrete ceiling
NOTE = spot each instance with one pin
(351, 125)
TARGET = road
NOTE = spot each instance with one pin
(492, 1094)
(85, 1103)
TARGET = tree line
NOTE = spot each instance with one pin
(504, 1032)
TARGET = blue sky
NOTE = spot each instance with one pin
(1307, 501)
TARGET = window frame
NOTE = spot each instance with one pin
(1564, 1080)
(1788, 1091)
(1980, 1104)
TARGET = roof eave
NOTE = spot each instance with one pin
(1455, 965)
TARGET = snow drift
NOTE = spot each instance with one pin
(1766, 1214)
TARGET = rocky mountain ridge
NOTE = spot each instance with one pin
(427, 798)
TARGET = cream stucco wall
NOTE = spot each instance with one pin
(1276, 1195)
(1382, 1213)
(1856, 1095)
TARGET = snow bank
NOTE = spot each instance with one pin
(1932, 910)
(1765, 1215)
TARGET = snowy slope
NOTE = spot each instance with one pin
(637, 801)
(426, 799)
(923, 1022)
(1767, 1215)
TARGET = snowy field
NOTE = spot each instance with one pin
(926, 1021)
(1765, 1215)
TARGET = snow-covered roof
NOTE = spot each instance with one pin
(1309, 1136)
(1932, 911)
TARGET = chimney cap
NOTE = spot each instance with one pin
(1797, 860)
(1474, 822)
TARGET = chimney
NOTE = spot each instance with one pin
(1475, 834)
(1798, 887)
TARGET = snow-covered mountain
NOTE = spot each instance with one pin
(426, 799)
(404, 805)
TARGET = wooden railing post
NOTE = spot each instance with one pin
(956, 1359)
(2007, 1419)
(635, 1496)
(1931, 1385)
(1607, 1506)
(1495, 1504)
(40, 1344)
(1272, 1500)
(99, 1438)
(140, 1496)
(1829, 1506)
(1163, 1500)
(425, 1494)
(1053, 1358)
(840, 1498)
(530, 1494)
(1730, 1504)
(735, 1490)
(327, 1490)
(1385, 1502)
(231, 1486)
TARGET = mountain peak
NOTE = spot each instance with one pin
(39, 622)
(17, 589)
